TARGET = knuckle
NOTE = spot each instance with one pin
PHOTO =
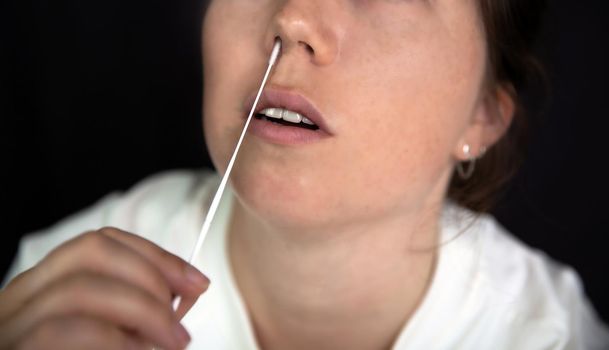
(94, 243)
(110, 231)
(78, 253)
(172, 259)
(69, 247)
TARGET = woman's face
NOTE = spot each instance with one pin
(397, 82)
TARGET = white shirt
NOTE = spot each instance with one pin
(489, 290)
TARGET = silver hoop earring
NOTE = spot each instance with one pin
(466, 169)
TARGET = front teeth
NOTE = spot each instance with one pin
(291, 117)
(280, 113)
(276, 113)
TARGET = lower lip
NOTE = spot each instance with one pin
(283, 134)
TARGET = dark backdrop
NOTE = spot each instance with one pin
(95, 95)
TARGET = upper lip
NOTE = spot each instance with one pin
(276, 98)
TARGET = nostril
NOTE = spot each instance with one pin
(307, 47)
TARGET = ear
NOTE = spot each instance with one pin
(491, 119)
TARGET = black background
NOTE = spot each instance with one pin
(95, 95)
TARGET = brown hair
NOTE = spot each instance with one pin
(511, 28)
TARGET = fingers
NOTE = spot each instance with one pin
(184, 278)
(92, 252)
(111, 278)
(101, 298)
(77, 332)
(115, 253)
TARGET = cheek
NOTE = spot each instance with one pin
(405, 124)
(228, 63)
(213, 84)
(218, 130)
(393, 167)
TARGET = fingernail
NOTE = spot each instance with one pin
(181, 336)
(195, 277)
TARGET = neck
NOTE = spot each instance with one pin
(352, 288)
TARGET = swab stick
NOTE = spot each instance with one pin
(216, 201)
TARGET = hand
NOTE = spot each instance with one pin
(106, 289)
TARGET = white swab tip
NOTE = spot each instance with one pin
(276, 51)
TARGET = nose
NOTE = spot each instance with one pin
(308, 28)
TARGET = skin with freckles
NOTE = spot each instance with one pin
(322, 234)
(398, 81)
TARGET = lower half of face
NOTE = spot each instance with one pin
(397, 95)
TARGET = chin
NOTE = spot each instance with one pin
(283, 202)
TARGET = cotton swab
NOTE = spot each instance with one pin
(216, 201)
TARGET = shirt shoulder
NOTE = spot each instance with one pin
(151, 204)
(539, 300)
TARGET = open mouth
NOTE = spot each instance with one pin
(286, 118)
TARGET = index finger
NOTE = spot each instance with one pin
(183, 278)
